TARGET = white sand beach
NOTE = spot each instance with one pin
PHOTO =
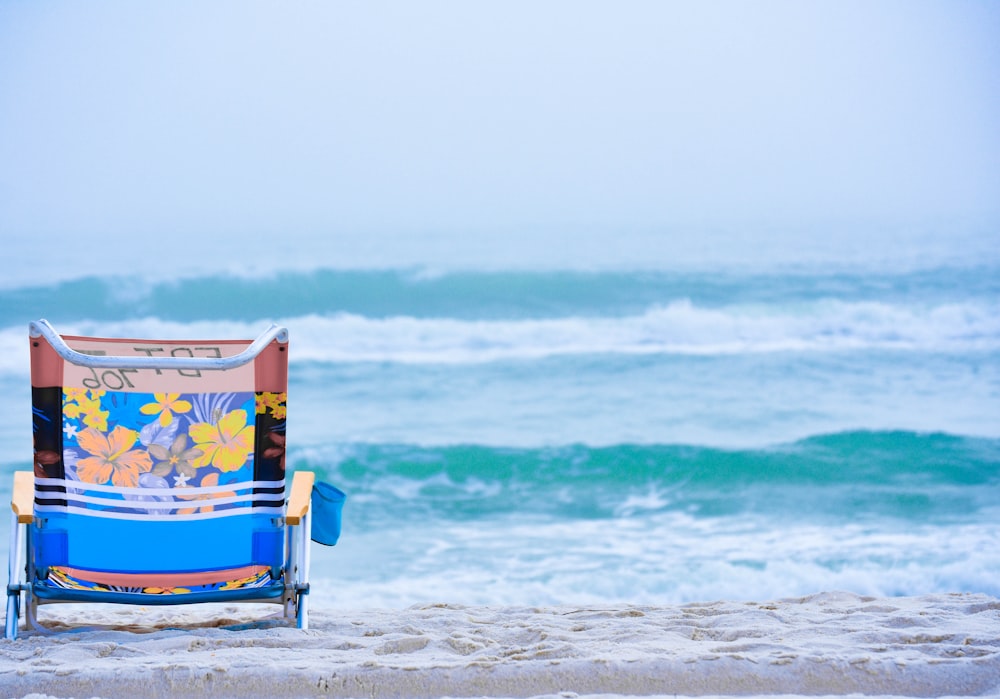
(831, 643)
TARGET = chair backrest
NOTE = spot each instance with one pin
(152, 459)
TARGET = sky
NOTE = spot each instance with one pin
(122, 119)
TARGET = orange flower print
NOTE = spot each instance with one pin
(166, 404)
(226, 444)
(212, 480)
(165, 590)
(112, 457)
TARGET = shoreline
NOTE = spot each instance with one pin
(832, 643)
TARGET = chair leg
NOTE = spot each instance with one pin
(289, 600)
(296, 599)
(14, 577)
(304, 561)
(13, 614)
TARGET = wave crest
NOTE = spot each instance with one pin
(680, 328)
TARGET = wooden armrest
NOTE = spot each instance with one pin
(23, 497)
(301, 496)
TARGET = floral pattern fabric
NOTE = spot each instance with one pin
(170, 443)
(60, 577)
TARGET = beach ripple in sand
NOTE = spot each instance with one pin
(825, 644)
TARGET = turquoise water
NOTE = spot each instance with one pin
(625, 427)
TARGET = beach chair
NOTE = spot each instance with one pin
(159, 477)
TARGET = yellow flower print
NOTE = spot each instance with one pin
(87, 404)
(75, 395)
(112, 457)
(96, 418)
(262, 402)
(226, 444)
(237, 584)
(166, 404)
(275, 402)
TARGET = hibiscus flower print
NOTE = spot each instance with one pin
(112, 457)
(227, 444)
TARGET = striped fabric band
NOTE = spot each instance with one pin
(54, 495)
(80, 486)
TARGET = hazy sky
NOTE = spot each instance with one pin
(196, 117)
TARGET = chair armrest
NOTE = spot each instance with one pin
(23, 496)
(300, 497)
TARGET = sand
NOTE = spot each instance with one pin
(826, 644)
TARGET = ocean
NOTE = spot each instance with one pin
(598, 417)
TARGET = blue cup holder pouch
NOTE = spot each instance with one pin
(326, 503)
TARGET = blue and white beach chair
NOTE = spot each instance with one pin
(159, 477)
